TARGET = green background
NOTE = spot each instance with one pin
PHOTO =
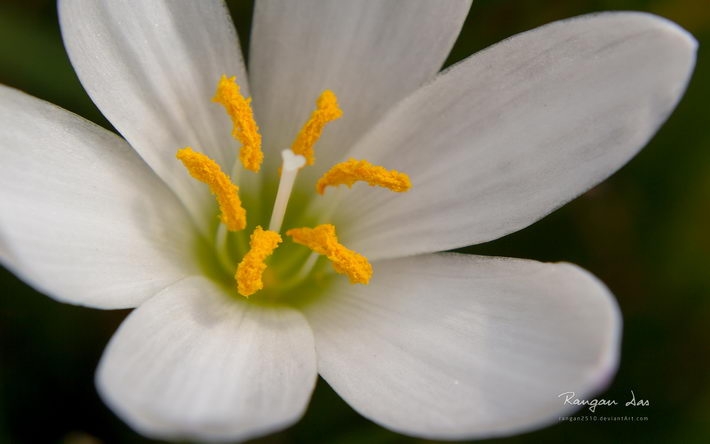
(644, 232)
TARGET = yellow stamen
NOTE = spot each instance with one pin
(326, 111)
(352, 170)
(245, 128)
(249, 271)
(322, 240)
(208, 171)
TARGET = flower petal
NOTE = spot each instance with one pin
(371, 54)
(517, 130)
(152, 68)
(195, 363)
(453, 346)
(82, 218)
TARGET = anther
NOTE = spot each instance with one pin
(323, 240)
(208, 171)
(245, 128)
(351, 171)
(262, 244)
(326, 111)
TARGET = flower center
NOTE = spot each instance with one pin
(252, 268)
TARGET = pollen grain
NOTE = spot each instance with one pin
(206, 170)
(245, 129)
(326, 111)
(351, 171)
(323, 240)
(262, 244)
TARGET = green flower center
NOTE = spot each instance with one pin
(281, 272)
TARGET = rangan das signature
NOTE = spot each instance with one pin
(570, 398)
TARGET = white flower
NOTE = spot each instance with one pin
(437, 345)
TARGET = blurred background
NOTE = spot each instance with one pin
(645, 232)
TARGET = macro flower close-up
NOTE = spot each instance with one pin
(299, 217)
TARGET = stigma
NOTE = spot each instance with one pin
(320, 239)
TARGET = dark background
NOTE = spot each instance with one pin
(644, 232)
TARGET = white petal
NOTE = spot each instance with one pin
(196, 363)
(82, 217)
(517, 130)
(152, 68)
(455, 346)
(371, 54)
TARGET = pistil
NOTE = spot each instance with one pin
(291, 164)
